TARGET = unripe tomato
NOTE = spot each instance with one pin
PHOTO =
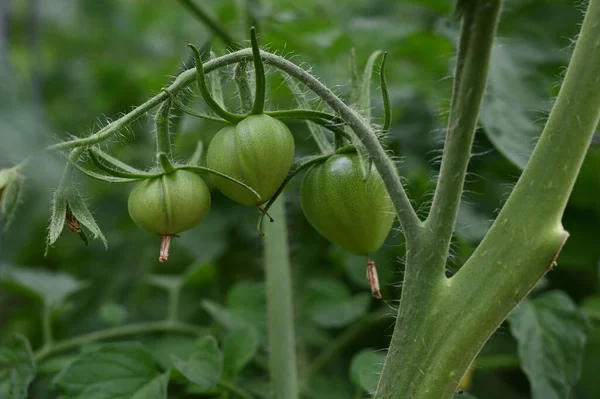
(355, 214)
(258, 151)
(169, 204)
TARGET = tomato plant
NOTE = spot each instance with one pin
(273, 302)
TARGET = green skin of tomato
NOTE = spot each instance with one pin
(258, 151)
(169, 204)
(357, 215)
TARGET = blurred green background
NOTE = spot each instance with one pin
(68, 66)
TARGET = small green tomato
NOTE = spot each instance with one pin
(355, 214)
(258, 151)
(169, 204)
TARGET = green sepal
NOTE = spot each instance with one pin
(165, 163)
(385, 95)
(316, 132)
(197, 155)
(101, 177)
(11, 191)
(298, 166)
(364, 96)
(118, 173)
(203, 169)
(258, 106)
(240, 76)
(67, 197)
(324, 119)
(81, 212)
(206, 95)
(216, 85)
(184, 108)
(163, 134)
(114, 162)
(186, 94)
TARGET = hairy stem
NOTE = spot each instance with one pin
(478, 30)
(429, 354)
(280, 311)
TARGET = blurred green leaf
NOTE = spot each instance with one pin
(52, 288)
(204, 366)
(18, 358)
(514, 103)
(113, 314)
(124, 370)
(365, 369)
(329, 303)
(239, 348)
(165, 282)
(551, 332)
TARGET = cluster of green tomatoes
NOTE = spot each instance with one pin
(350, 211)
(250, 160)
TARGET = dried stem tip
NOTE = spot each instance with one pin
(266, 214)
(373, 279)
(165, 246)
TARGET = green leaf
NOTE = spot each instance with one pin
(223, 316)
(115, 371)
(246, 300)
(82, 213)
(205, 365)
(365, 369)
(113, 314)
(239, 348)
(329, 303)
(551, 333)
(52, 288)
(18, 358)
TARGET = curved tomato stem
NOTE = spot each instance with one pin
(259, 76)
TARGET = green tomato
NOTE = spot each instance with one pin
(258, 151)
(169, 204)
(355, 214)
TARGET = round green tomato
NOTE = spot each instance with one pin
(258, 151)
(355, 214)
(169, 204)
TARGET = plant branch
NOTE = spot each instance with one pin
(47, 324)
(213, 25)
(480, 19)
(522, 245)
(116, 332)
(280, 310)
